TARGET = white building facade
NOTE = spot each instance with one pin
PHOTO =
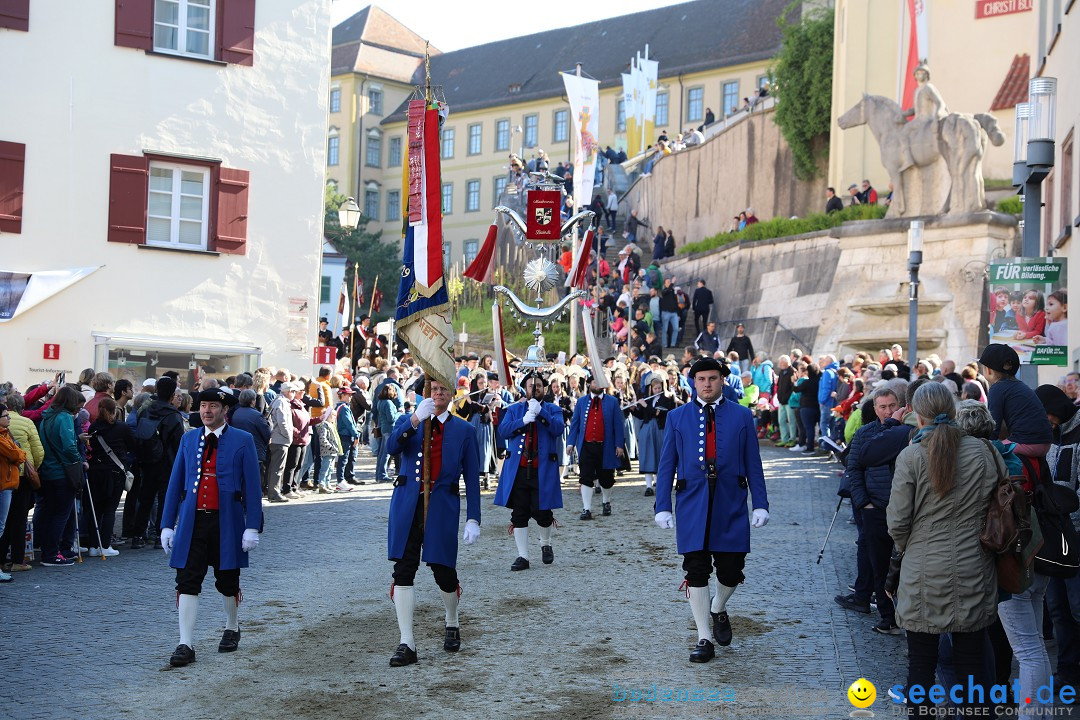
(162, 169)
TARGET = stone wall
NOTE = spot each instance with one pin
(846, 289)
(697, 191)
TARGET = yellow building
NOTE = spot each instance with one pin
(507, 97)
(976, 54)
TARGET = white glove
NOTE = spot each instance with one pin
(250, 540)
(528, 417)
(472, 532)
(167, 540)
(664, 520)
(761, 517)
(425, 409)
(534, 407)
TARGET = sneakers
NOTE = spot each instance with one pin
(848, 602)
(887, 628)
(343, 487)
(5, 578)
(107, 552)
(58, 561)
(796, 448)
(808, 451)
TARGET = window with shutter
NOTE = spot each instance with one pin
(12, 166)
(237, 32)
(134, 24)
(232, 211)
(15, 14)
(206, 29)
(128, 184)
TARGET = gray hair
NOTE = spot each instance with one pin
(973, 417)
(933, 399)
(247, 397)
(15, 401)
(899, 386)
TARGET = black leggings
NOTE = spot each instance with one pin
(14, 537)
(968, 649)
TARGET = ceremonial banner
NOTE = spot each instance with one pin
(918, 48)
(594, 352)
(579, 271)
(584, 97)
(544, 222)
(343, 305)
(1029, 308)
(423, 307)
(20, 291)
(480, 268)
(650, 70)
(501, 365)
(415, 167)
(633, 137)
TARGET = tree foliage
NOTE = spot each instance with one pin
(801, 80)
(377, 257)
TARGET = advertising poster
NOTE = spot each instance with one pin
(1029, 308)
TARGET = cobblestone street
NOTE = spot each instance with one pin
(564, 640)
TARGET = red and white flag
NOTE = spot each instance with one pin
(343, 304)
(579, 271)
(918, 48)
(480, 268)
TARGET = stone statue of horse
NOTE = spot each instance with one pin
(946, 175)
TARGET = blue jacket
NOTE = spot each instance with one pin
(460, 458)
(239, 495)
(737, 457)
(251, 421)
(827, 384)
(58, 439)
(734, 382)
(388, 414)
(871, 462)
(346, 424)
(763, 376)
(550, 426)
(614, 427)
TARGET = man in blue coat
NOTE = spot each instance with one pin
(453, 454)
(597, 430)
(711, 446)
(529, 483)
(211, 517)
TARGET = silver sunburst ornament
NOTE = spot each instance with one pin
(541, 275)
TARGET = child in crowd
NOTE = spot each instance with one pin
(1057, 319)
(1032, 316)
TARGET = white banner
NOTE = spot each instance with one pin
(650, 70)
(584, 96)
(20, 291)
(629, 119)
(595, 363)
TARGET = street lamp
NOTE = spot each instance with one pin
(349, 215)
(1033, 158)
(915, 251)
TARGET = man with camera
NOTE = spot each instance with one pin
(710, 457)
(529, 483)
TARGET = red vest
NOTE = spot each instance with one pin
(208, 487)
(435, 451)
(594, 426)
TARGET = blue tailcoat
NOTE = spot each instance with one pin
(737, 455)
(239, 494)
(460, 457)
(550, 426)
(614, 428)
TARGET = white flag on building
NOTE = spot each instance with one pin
(584, 96)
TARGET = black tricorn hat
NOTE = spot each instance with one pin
(218, 395)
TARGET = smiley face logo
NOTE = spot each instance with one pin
(862, 693)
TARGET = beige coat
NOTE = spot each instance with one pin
(948, 582)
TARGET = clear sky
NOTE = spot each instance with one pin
(454, 24)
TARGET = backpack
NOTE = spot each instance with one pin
(149, 445)
(1059, 556)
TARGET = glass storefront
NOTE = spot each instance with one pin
(137, 358)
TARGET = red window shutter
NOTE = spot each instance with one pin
(129, 180)
(15, 14)
(236, 32)
(232, 211)
(134, 24)
(12, 165)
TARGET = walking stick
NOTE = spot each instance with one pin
(78, 546)
(93, 514)
(822, 553)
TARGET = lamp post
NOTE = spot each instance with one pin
(1033, 158)
(915, 251)
(349, 215)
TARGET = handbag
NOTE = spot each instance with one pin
(892, 577)
(73, 472)
(30, 472)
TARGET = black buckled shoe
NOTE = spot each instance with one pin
(230, 640)
(183, 655)
(607, 508)
(586, 515)
(452, 640)
(649, 492)
(547, 554)
(520, 564)
(721, 628)
(404, 655)
(703, 652)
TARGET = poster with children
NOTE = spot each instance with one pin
(1029, 308)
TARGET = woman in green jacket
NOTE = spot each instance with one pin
(57, 506)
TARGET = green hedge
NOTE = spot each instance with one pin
(1011, 205)
(785, 227)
